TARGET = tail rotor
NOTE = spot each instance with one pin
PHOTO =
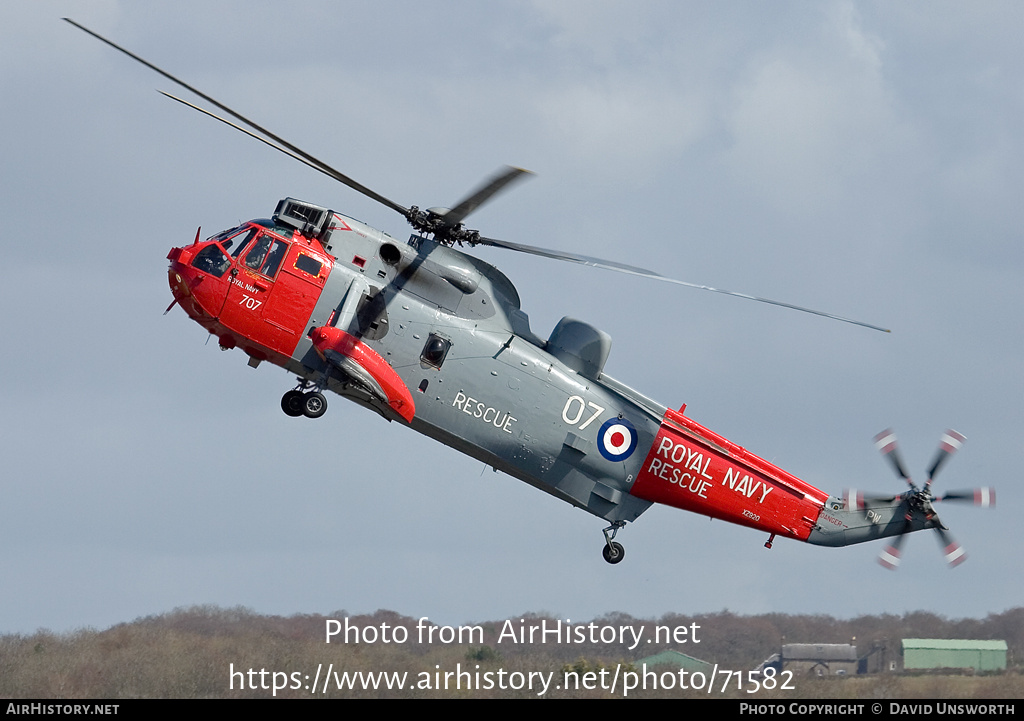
(916, 503)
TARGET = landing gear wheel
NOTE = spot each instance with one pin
(614, 552)
(314, 404)
(291, 403)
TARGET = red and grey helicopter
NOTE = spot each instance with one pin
(433, 338)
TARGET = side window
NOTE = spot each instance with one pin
(308, 265)
(435, 350)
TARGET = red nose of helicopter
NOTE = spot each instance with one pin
(183, 280)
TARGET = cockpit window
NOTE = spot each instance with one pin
(277, 254)
(242, 240)
(224, 234)
(212, 260)
(259, 252)
(282, 230)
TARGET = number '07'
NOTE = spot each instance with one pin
(575, 409)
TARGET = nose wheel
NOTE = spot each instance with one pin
(613, 551)
(295, 403)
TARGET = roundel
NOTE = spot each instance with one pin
(617, 439)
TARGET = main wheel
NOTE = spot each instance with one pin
(614, 553)
(314, 405)
(291, 403)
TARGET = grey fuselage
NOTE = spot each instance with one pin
(451, 328)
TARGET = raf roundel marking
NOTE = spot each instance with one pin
(617, 439)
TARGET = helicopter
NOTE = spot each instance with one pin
(431, 337)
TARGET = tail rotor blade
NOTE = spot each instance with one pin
(950, 444)
(890, 555)
(853, 499)
(953, 551)
(887, 446)
(856, 500)
(984, 497)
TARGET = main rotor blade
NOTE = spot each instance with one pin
(480, 196)
(644, 273)
(310, 160)
(265, 141)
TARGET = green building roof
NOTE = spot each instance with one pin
(675, 659)
(954, 644)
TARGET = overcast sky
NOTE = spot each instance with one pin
(865, 159)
